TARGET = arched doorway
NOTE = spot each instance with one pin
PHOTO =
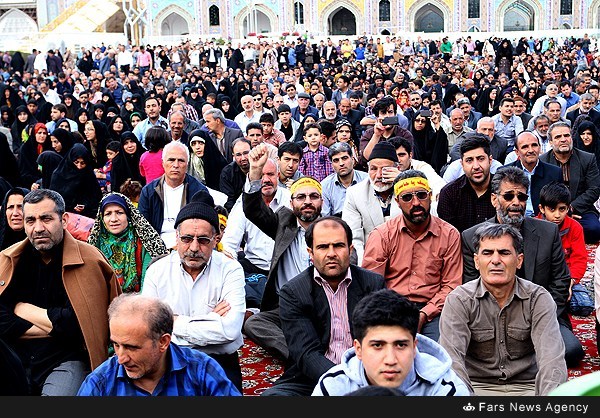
(519, 16)
(342, 22)
(256, 22)
(385, 32)
(174, 24)
(429, 19)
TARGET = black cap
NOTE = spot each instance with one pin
(384, 150)
(283, 108)
(198, 210)
(303, 95)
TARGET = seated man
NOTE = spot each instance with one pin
(141, 329)
(580, 174)
(370, 202)
(316, 307)
(544, 260)
(203, 287)
(417, 253)
(500, 329)
(384, 321)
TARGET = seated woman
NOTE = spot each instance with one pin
(127, 240)
(11, 217)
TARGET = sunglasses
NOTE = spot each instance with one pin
(408, 197)
(510, 196)
(188, 239)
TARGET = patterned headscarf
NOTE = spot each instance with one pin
(123, 251)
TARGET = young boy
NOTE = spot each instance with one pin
(314, 162)
(388, 352)
(103, 174)
(555, 199)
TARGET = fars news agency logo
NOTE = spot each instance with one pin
(468, 407)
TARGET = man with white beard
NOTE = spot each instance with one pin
(370, 202)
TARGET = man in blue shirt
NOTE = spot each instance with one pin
(146, 362)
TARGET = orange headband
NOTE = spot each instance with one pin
(409, 183)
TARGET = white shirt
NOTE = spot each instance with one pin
(193, 301)
(171, 207)
(259, 246)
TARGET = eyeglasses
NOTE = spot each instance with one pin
(241, 154)
(510, 196)
(188, 239)
(408, 197)
(418, 120)
(302, 197)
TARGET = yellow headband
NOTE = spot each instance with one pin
(223, 220)
(305, 181)
(409, 183)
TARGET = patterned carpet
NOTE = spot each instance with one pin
(260, 369)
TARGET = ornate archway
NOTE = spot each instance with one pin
(17, 21)
(266, 19)
(527, 13)
(332, 10)
(434, 13)
(174, 18)
(341, 22)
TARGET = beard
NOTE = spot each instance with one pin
(416, 219)
(307, 217)
(514, 220)
(384, 188)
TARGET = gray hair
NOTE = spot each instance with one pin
(509, 174)
(175, 144)
(36, 196)
(587, 96)
(215, 113)
(492, 230)
(157, 314)
(177, 112)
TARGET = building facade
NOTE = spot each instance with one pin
(239, 18)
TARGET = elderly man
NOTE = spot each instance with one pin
(176, 124)
(458, 129)
(580, 173)
(137, 321)
(222, 135)
(54, 295)
(479, 321)
(203, 287)
(417, 253)
(162, 198)
(242, 239)
(544, 260)
(369, 203)
(248, 113)
(287, 227)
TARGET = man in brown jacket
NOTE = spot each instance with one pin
(54, 296)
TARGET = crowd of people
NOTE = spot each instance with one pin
(373, 212)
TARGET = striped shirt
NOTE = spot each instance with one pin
(340, 339)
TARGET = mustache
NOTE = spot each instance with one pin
(307, 206)
(266, 184)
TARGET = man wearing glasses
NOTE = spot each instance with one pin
(204, 288)
(544, 260)
(417, 253)
(287, 227)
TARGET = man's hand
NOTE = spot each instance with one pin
(258, 158)
(222, 308)
(422, 321)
